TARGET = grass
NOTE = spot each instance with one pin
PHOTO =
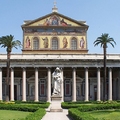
(10, 114)
(106, 114)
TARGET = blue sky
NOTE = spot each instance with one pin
(102, 16)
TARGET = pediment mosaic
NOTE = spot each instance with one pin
(53, 20)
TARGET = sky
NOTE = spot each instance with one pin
(102, 16)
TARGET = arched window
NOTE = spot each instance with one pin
(35, 43)
(54, 43)
(74, 44)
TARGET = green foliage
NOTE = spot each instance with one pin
(103, 40)
(31, 102)
(68, 105)
(110, 114)
(99, 107)
(77, 115)
(28, 108)
(80, 112)
(8, 42)
(26, 104)
(37, 114)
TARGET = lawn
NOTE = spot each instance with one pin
(10, 114)
(106, 114)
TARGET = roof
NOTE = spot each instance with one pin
(29, 22)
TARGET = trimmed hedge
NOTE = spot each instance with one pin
(37, 114)
(98, 107)
(30, 102)
(77, 115)
(18, 107)
(26, 105)
(68, 105)
(80, 113)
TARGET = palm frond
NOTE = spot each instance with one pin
(103, 40)
(8, 42)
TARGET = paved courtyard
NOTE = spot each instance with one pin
(56, 115)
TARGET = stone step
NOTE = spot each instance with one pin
(56, 109)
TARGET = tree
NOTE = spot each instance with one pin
(8, 42)
(103, 40)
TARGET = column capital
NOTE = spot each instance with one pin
(48, 67)
(24, 68)
(98, 67)
(36, 68)
(74, 68)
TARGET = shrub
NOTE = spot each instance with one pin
(77, 115)
(37, 115)
(99, 107)
(80, 112)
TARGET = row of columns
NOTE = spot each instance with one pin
(62, 85)
(87, 85)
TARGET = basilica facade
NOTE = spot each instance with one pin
(51, 41)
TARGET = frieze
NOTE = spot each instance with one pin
(55, 33)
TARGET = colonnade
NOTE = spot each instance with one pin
(36, 97)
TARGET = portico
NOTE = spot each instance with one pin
(79, 82)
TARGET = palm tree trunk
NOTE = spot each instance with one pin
(104, 82)
(7, 80)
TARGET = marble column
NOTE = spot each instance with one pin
(110, 85)
(98, 84)
(74, 85)
(62, 86)
(36, 84)
(49, 86)
(118, 90)
(1, 84)
(12, 85)
(86, 84)
(115, 85)
(24, 85)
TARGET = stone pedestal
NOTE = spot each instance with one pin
(56, 103)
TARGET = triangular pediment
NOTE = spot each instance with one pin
(54, 19)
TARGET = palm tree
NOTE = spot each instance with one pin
(8, 42)
(103, 40)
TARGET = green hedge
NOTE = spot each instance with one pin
(37, 114)
(98, 107)
(68, 105)
(18, 107)
(27, 104)
(77, 115)
(30, 102)
(80, 113)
